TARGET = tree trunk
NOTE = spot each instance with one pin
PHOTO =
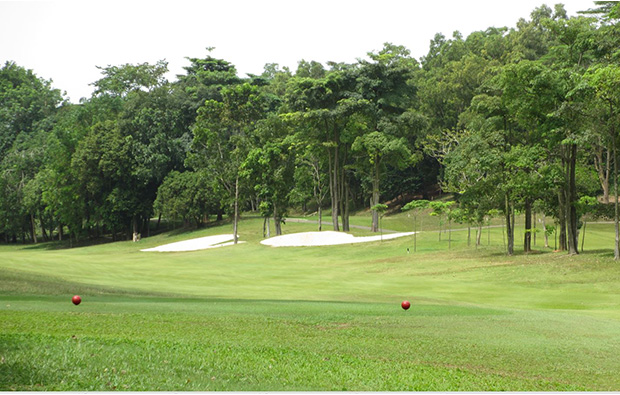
(345, 214)
(489, 232)
(343, 193)
(278, 225)
(43, 232)
(527, 239)
(333, 186)
(320, 218)
(583, 238)
(571, 209)
(602, 164)
(544, 225)
(479, 235)
(509, 227)
(277, 220)
(616, 221)
(375, 197)
(562, 221)
(535, 230)
(236, 214)
(449, 233)
(415, 231)
(33, 229)
(134, 228)
(341, 201)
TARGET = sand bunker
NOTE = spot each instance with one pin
(326, 238)
(306, 239)
(201, 243)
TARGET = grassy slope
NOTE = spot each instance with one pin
(258, 318)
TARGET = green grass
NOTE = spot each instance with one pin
(252, 317)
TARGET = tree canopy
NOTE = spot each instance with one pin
(507, 120)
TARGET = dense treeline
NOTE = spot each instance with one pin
(522, 119)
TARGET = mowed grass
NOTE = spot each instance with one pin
(252, 317)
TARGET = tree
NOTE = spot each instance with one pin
(310, 175)
(127, 78)
(474, 172)
(386, 94)
(321, 109)
(415, 206)
(27, 108)
(439, 209)
(102, 166)
(526, 163)
(25, 102)
(222, 137)
(270, 168)
(203, 80)
(380, 209)
(160, 142)
(605, 81)
(377, 149)
(571, 56)
(584, 206)
(191, 196)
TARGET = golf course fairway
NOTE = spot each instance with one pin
(251, 317)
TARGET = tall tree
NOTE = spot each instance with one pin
(27, 108)
(322, 107)
(386, 94)
(223, 136)
(270, 167)
(25, 101)
(605, 81)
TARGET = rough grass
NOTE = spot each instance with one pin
(252, 317)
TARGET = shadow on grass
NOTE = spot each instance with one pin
(603, 253)
(13, 282)
(89, 242)
(192, 229)
(17, 373)
(66, 244)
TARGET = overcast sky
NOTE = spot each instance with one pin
(64, 40)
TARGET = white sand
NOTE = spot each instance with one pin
(326, 238)
(201, 243)
(307, 239)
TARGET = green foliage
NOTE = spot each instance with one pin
(203, 80)
(440, 208)
(122, 80)
(416, 205)
(191, 196)
(26, 101)
(380, 208)
(270, 168)
(505, 119)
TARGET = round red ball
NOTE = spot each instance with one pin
(405, 305)
(76, 300)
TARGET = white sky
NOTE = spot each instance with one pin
(64, 40)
